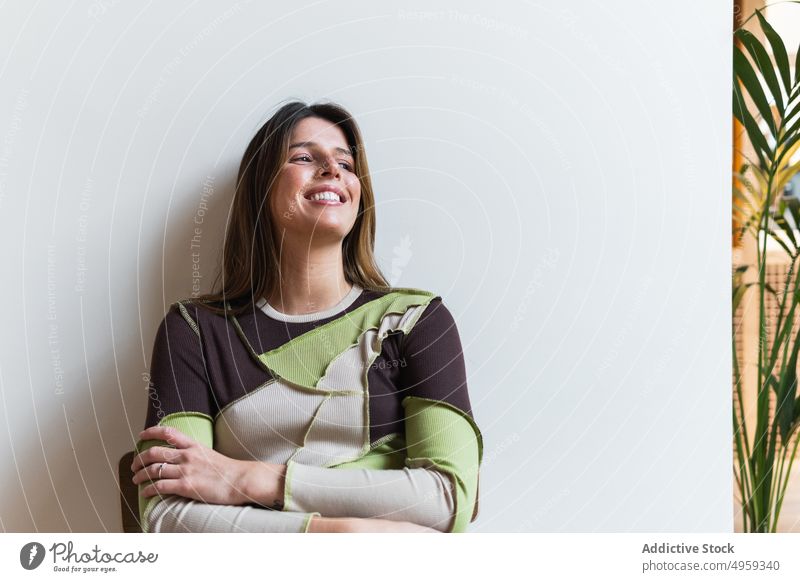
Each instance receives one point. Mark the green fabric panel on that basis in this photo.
(287, 485)
(389, 455)
(440, 435)
(304, 359)
(195, 425)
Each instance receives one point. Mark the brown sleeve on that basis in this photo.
(178, 379)
(432, 361)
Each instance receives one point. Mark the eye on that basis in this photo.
(300, 158)
(347, 166)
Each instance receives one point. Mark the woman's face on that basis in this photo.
(317, 192)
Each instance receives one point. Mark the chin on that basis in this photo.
(328, 231)
(329, 223)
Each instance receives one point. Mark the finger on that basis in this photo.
(154, 472)
(155, 455)
(162, 487)
(144, 459)
(140, 476)
(179, 486)
(143, 475)
(169, 434)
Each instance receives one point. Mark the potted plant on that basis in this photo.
(766, 102)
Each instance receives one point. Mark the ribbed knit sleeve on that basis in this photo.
(178, 380)
(434, 357)
(441, 433)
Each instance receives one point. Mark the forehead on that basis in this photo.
(318, 130)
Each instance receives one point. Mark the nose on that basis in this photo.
(328, 166)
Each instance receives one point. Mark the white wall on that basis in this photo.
(557, 171)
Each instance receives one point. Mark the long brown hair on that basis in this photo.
(250, 268)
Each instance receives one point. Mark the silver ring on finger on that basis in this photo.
(160, 469)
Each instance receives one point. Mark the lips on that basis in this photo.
(326, 188)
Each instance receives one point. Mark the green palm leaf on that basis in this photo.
(778, 49)
(752, 84)
(763, 63)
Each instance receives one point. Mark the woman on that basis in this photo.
(306, 395)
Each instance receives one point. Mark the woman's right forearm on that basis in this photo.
(320, 524)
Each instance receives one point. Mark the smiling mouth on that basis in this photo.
(327, 197)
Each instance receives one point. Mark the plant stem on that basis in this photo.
(786, 480)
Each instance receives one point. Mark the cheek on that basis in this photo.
(284, 193)
(355, 190)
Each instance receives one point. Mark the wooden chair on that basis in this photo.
(128, 495)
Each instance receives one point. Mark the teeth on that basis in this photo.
(325, 196)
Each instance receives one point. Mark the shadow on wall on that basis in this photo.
(62, 473)
(188, 265)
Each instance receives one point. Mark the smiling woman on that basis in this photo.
(305, 394)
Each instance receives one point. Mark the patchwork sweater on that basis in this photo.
(366, 403)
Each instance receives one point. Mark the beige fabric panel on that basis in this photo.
(339, 432)
(419, 495)
(175, 514)
(267, 425)
(347, 371)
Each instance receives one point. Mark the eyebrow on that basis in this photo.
(301, 144)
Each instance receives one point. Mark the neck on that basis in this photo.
(311, 278)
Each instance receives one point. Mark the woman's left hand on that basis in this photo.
(195, 471)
